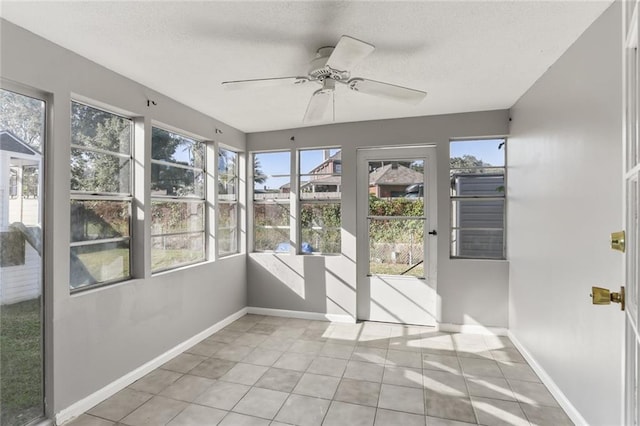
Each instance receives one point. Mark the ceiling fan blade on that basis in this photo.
(263, 82)
(348, 52)
(320, 102)
(386, 90)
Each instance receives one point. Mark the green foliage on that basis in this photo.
(388, 231)
(320, 226)
(93, 171)
(176, 181)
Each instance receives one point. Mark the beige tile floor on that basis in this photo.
(281, 371)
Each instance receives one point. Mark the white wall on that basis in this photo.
(564, 199)
(470, 292)
(100, 335)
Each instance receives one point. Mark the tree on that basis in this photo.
(467, 163)
(23, 116)
(258, 174)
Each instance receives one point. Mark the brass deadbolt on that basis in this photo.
(602, 296)
(617, 241)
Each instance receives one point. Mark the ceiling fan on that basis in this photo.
(330, 66)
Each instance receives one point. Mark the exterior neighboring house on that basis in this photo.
(20, 267)
(392, 180)
(324, 178)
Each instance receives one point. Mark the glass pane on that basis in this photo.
(396, 247)
(168, 217)
(271, 226)
(271, 239)
(227, 215)
(171, 251)
(97, 172)
(95, 128)
(22, 124)
(477, 244)
(477, 153)
(97, 263)
(227, 241)
(176, 181)
(488, 182)
(95, 220)
(227, 175)
(271, 175)
(320, 187)
(407, 206)
(175, 148)
(320, 161)
(477, 213)
(320, 228)
(227, 187)
(227, 162)
(395, 179)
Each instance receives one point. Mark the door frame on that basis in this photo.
(630, 206)
(430, 194)
(46, 208)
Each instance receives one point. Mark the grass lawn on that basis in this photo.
(20, 363)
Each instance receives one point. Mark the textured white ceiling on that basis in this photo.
(468, 55)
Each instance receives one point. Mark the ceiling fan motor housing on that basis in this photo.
(319, 70)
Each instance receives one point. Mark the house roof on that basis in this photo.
(390, 175)
(12, 143)
(323, 180)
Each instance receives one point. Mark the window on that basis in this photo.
(227, 235)
(177, 200)
(477, 173)
(320, 188)
(271, 204)
(101, 196)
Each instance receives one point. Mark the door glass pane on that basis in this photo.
(396, 247)
(396, 188)
(22, 121)
(396, 243)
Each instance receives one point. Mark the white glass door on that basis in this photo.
(22, 137)
(396, 235)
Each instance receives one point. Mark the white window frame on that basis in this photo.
(76, 195)
(221, 199)
(459, 198)
(181, 199)
(290, 200)
(311, 201)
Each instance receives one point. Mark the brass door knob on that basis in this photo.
(603, 296)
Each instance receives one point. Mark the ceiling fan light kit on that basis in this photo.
(330, 66)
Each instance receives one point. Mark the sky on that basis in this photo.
(279, 163)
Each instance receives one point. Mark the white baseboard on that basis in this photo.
(562, 399)
(472, 329)
(318, 316)
(79, 407)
